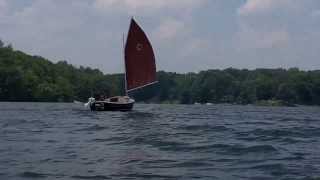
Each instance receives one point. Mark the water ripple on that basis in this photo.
(64, 141)
(97, 177)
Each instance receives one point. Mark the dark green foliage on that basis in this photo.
(33, 78)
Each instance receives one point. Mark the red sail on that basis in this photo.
(139, 59)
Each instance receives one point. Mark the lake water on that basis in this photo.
(65, 141)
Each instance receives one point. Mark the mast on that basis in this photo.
(124, 64)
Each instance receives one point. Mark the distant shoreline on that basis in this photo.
(26, 78)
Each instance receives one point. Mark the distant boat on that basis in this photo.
(140, 71)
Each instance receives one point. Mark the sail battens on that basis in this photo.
(142, 86)
(139, 59)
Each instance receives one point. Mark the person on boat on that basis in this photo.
(98, 97)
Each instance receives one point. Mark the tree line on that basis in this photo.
(33, 78)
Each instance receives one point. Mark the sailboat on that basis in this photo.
(140, 71)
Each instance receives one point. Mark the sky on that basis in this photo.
(187, 35)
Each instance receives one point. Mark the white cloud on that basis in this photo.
(264, 6)
(168, 29)
(257, 38)
(194, 47)
(315, 13)
(187, 35)
(273, 33)
(2, 3)
(265, 23)
(138, 6)
(59, 30)
(3, 7)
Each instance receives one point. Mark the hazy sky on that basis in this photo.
(187, 35)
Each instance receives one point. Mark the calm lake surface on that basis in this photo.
(65, 141)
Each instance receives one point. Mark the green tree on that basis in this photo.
(286, 92)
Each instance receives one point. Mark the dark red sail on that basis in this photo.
(139, 59)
